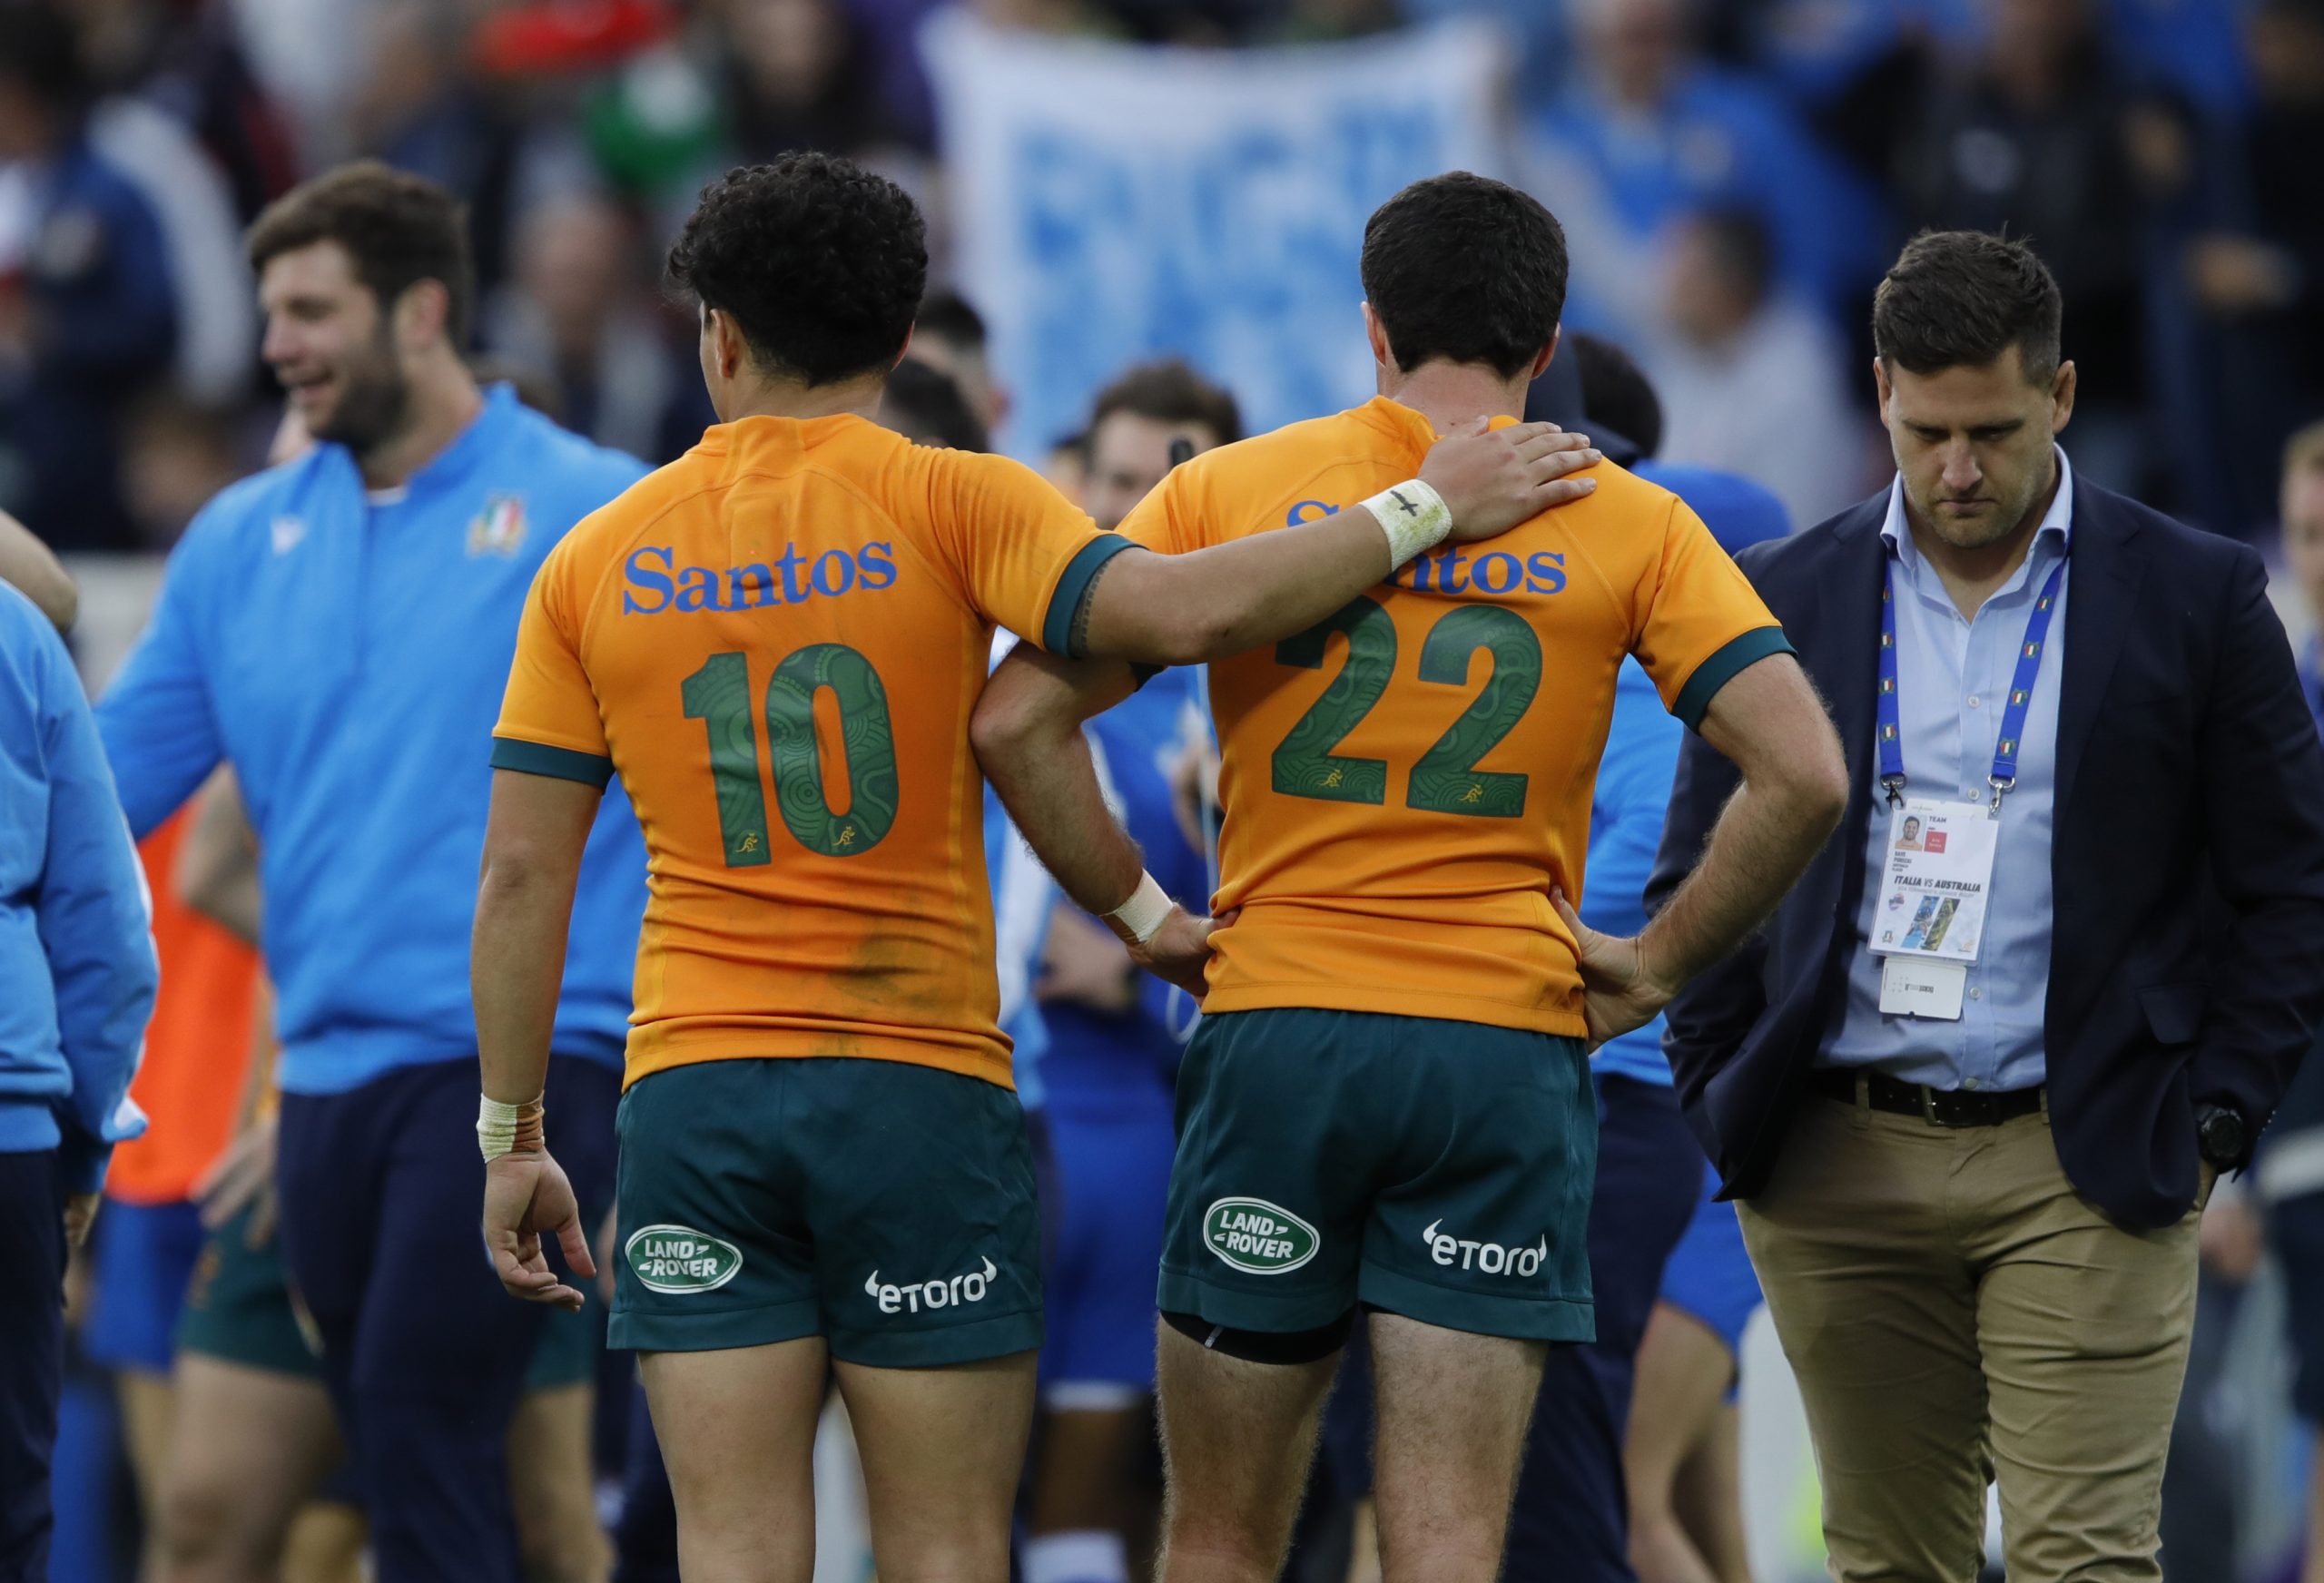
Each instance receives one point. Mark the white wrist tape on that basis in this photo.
(1139, 918)
(496, 1125)
(1413, 517)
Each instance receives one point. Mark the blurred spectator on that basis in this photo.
(1649, 132)
(2036, 137)
(949, 336)
(176, 455)
(2257, 278)
(1752, 382)
(217, 312)
(182, 58)
(577, 313)
(87, 307)
(1331, 21)
(798, 77)
(2290, 1167)
(929, 408)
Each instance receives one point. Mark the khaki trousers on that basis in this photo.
(1956, 1314)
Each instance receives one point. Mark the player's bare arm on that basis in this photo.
(217, 865)
(1026, 732)
(1770, 723)
(533, 843)
(1181, 610)
(33, 570)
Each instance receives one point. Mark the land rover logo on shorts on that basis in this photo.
(1252, 1235)
(678, 1258)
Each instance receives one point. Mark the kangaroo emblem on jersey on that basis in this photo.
(499, 528)
(1475, 793)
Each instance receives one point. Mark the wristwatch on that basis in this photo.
(2221, 1136)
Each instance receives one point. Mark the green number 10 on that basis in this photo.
(718, 695)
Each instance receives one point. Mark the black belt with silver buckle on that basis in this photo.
(1937, 1106)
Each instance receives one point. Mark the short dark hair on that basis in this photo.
(1616, 394)
(927, 406)
(399, 229)
(40, 51)
(950, 317)
(1169, 391)
(1465, 269)
(1960, 299)
(819, 261)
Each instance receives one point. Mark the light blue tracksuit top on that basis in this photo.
(346, 653)
(77, 969)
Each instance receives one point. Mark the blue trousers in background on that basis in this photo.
(423, 1352)
(1570, 1523)
(32, 1357)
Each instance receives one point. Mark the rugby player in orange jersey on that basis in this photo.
(776, 642)
(1388, 1104)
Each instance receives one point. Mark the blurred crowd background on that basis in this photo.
(1734, 176)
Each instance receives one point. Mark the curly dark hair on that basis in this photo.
(1959, 298)
(821, 262)
(399, 229)
(1467, 270)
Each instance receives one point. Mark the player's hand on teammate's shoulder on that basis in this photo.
(1619, 990)
(1180, 950)
(527, 1194)
(1494, 479)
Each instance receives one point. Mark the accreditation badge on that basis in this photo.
(1931, 918)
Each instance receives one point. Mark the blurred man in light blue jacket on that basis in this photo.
(77, 977)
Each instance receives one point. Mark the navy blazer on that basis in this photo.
(2187, 950)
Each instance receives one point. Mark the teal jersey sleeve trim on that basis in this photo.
(1073, 588)
(563, 764)
(1724, 666)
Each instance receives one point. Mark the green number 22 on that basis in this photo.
(1446, 779)
(718, 695)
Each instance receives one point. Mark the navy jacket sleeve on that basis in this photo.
(97, 929)
(161, 732)
(2262, 804)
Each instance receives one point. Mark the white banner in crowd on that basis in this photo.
(1114, 202)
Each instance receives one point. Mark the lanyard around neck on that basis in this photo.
(2013, 714)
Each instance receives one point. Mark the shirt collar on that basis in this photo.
(2057, 522)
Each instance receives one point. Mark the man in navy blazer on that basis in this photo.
(1971, 1187)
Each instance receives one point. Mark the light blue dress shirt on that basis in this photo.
(1953, 677)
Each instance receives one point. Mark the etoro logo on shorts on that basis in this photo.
(1263, 1238)
(938, 1294)
(678, 1258)
(1490, 1257)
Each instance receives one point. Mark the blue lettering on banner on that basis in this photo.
(1239, 256)
(652, 582)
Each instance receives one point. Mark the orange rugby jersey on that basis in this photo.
(1404, 783)
(197, 1044)
(776, 642)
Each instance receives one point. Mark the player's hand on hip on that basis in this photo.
(1494, 479)
(527, 1196)
(1180, 950)
(1619, 992)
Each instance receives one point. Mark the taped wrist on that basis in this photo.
(1140, 918)
(510, 1129)
(1415, 517)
